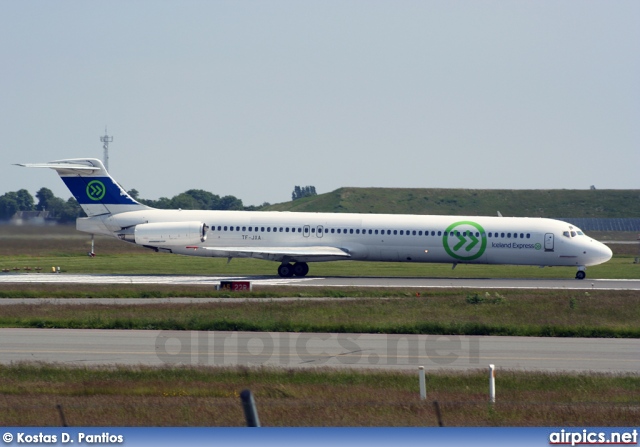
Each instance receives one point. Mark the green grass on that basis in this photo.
(515, 313)
(200, 396)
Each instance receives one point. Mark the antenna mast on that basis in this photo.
(106, 139)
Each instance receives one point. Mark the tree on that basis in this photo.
(44, 196)
(230, 203)
(24, 200)
(15, 201)
(70, 211)
(205, 199)
(8, 207)
(185, 202)
(305, 191)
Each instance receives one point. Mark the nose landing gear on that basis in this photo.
(581, 273)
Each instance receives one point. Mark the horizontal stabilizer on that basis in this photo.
(61, 166)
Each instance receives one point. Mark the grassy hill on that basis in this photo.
(531, 203)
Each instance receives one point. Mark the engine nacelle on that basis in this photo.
(165, 233)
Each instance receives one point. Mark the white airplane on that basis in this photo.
(295, 239)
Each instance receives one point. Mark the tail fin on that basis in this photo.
(95, 190)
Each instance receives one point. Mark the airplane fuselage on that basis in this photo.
(373, 237)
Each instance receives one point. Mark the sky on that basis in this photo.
(250, 98)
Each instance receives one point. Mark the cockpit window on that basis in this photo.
(573, 234)
(580, 233)
(565, 234)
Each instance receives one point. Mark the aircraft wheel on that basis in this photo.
(581, 274)
(285, 270)
(300, 269)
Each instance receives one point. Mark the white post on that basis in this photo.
(492, 383)
(423, 386)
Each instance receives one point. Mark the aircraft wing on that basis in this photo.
(282, 254)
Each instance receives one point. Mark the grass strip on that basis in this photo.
(454, 312)
(206, 396)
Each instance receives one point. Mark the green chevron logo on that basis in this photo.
(96, 190)
(465, 240)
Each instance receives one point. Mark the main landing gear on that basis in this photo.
(287, 270)
(581, 273)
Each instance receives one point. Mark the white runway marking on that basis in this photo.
(357, 282)
(53, 278)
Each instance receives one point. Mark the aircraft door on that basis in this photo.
(319, 231)
(548, 242)
(306, 230)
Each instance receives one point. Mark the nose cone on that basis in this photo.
(606, 253)
(598, 253)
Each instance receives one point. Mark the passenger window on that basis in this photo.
(244, 228)
(351, 231)
(508, 235)
(401, 232)
(338, 230)
(528, 236)
(376, 232)
(313, 230)
(269, 229)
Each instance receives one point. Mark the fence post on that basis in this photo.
(492, 383)
(62, 419)
(249, 407)
(423, 386)
(438, 413)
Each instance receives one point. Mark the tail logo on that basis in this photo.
(96, 190)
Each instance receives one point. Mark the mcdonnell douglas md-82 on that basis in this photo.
(295, 239)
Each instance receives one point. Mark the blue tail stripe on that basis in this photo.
(97, 190)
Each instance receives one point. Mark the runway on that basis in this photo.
(312, 350)
(304, 350)
(394, 282)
